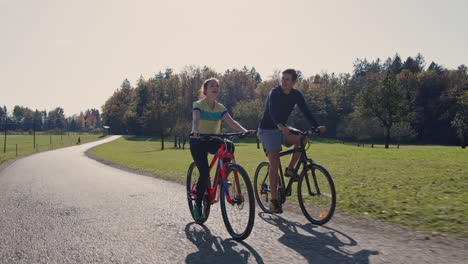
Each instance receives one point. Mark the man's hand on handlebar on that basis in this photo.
(322, 129)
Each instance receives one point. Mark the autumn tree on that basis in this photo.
(114, 109)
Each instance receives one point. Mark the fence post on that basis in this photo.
(16, 150)
(4, 142)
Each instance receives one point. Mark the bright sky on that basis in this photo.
(74, 54)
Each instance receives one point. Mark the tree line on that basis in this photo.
(23, 119)
(380, 101)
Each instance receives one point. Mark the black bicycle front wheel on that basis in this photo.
(239, 213)
(193, 175)
(316, 194)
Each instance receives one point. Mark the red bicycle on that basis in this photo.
(231, 186)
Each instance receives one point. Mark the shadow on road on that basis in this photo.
(215, 250)
(324, 246)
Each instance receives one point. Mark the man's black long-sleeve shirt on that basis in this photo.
(280, 105)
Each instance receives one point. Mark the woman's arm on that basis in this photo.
(233, 123)
(195, 122)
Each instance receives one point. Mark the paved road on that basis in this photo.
(62, 207)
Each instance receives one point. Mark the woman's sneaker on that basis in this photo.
(197, 213)
(275, 207)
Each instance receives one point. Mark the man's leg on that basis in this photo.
(271, 140)
(273, 158)
(296, 141)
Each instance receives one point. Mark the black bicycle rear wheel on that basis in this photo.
(316, 194)
(192, 178)
(262, 186)
(239, 214)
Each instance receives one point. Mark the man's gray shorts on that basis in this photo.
(272, 139)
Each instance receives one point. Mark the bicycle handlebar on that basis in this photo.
(226, 135)
(315, 131)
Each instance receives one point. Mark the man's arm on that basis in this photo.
(306, 110)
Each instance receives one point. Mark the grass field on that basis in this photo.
(421, 187)
(25, 143)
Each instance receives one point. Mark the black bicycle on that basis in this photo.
(315, 190)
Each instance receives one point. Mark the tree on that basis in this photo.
(93, 118)
(427, 121)
(115, 108)
(403, 132)
(237, 86)
(91, 122)
(18, 115)
(408, 81)
(421, 62)
(411, 65)
(3, 113)
(396, 65)
(255, 75)
(38, 121)
(81, 122)
(359, 129)
(460, 123)
(249, 113)
(56, 119)
(384, 101)
(457, 99)
(436, 67)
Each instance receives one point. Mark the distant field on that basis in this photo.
(26, 146)
(424, 187)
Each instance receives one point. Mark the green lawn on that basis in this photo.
(25, 143)
(421, 187)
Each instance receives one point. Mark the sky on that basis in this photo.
(75, 54)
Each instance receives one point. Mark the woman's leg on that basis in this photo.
(200, 156)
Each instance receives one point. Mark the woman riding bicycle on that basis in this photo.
(207, 114)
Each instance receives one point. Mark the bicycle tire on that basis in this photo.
(316, 194)
(245, 228)
(262, 186)
(192, 178)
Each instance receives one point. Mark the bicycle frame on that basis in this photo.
(220, 176)
(302, 161)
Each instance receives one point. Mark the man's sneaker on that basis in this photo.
(290, 173)
(275, 207)
(197, 213)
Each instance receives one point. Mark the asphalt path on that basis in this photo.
(62, 207)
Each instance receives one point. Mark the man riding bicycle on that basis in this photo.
(273, 131)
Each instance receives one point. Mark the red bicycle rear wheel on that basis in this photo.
(192, 178)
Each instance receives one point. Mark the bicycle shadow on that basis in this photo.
(213, 249)
(317, 246)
